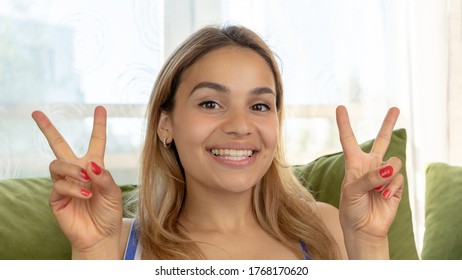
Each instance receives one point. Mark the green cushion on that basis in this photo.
(443, 213)
(324, 177)
(28, 229)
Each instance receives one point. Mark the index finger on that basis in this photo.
(97, 144)
(382, 141)
(347, 137)
(56, 141)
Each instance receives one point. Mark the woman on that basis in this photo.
(214, 182)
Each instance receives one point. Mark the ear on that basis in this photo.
(164, 127)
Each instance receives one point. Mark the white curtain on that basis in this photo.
(455, 81)
(428, 82)
(436, 91)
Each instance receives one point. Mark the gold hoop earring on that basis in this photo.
(166, 145)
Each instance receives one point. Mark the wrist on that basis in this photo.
(105, 250)
(362, 246)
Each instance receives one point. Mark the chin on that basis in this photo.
(239, 186)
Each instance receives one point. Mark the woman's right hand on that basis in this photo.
(85, 199)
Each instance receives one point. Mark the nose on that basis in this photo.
(238, 122)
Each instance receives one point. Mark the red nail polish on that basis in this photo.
(95, 168)
(85, 192)
(386, 171)
(386, 193)
(379, 188)
(84, 174)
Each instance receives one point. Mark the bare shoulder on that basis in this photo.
(327, 211)
(330, 216)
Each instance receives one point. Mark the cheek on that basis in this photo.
(189, 136)
(189, 129)
(270, 134)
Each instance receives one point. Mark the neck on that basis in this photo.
(218, 211)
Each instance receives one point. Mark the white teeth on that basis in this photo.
(232, 154)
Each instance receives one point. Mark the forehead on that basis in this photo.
(230, 60)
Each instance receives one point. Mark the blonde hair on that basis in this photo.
(283, 207)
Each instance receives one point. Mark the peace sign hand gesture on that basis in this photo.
(371, 190)
(85, 199)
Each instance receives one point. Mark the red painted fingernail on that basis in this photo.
(84, 174)
(386, 193)
(378, 188)
(85, 192)
(95, 168)
(386, 171)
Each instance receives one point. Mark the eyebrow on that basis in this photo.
(211, 85)
(262, 90)
(223, 89)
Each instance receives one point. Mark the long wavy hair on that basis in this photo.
(282, 206)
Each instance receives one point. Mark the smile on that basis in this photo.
(231, 154)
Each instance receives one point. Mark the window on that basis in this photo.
(66, 58)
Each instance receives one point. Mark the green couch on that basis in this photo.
(28, 229)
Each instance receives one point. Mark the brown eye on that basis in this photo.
(209, 105)
(260, 107)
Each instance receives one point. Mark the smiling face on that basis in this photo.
(224, 122)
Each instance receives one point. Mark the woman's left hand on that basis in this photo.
(371, 189)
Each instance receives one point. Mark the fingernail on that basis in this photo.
(95, 168)
(386, 193)
(386, 171)
(84, 174)
(85, 192)
(378, 188)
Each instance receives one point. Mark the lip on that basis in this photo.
(234, 146)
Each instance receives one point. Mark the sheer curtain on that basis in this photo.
(65, 58)
(455, 81)
(436, 63)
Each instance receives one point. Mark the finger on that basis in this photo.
(383, 138)
(347, 137)
(64, 190)
(60, 170)
(378, 178)
(97, 144)
(56, 141)
(102, 180)
(394, 188)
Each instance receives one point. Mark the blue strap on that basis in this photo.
(132, 243)
(305, 251)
